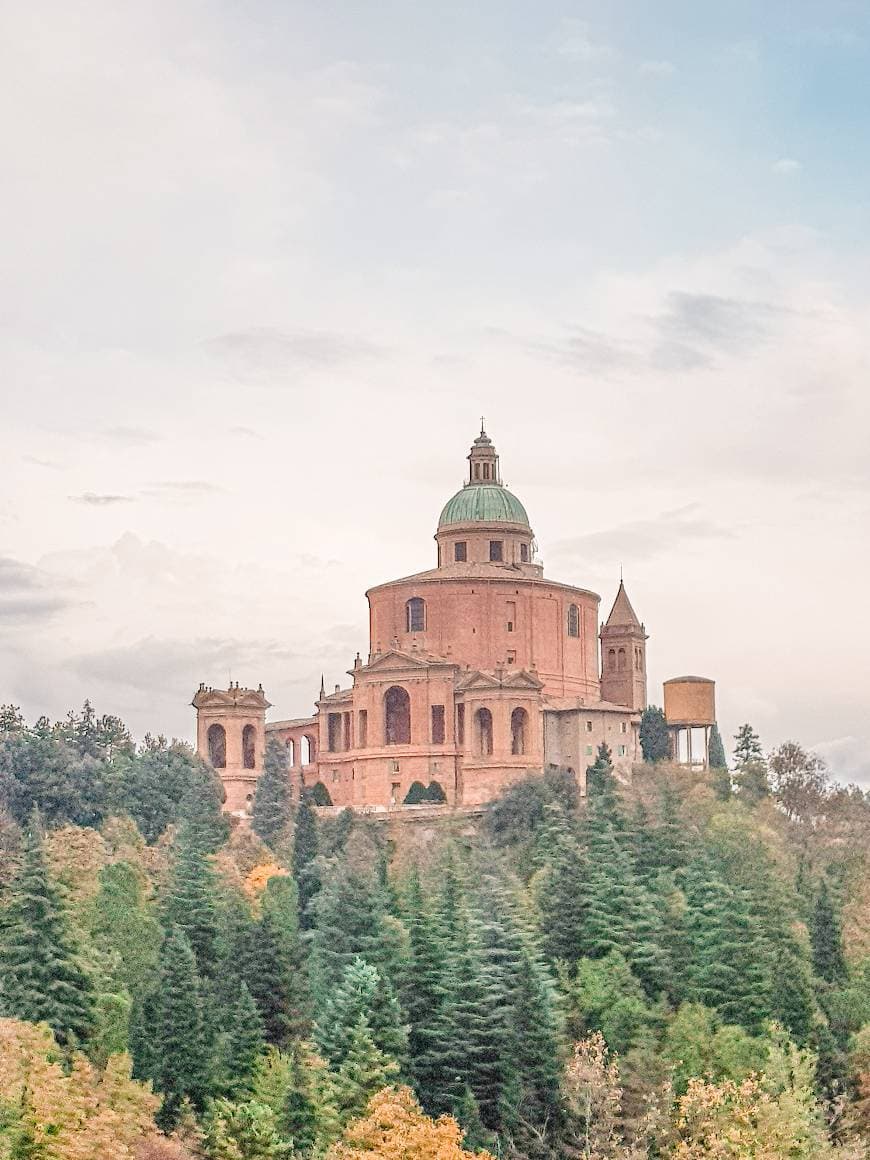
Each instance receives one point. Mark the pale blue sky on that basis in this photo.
(265, 264)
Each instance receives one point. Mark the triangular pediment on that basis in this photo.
(397, 661)
(521, 679)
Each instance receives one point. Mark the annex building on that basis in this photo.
(478, 671)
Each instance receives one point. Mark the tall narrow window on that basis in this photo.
(611, 659)
(362, 733)
(486, 471)
(477, 471)
(524, 553)
(437, 724)
(483, 726)
(460, 551)
(333, 732)
(496, 550)
(460, 724)
(249, 747)
(217, 746)
(573, 620)
(415, 611)
(397, 716)
(347, 743)
(621, 664)
(519, 720)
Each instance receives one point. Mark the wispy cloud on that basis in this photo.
(130, 436)
(641, 540)
(787, 165)
(100, 499)
(266, 353)
(576, 41)
(28, 595)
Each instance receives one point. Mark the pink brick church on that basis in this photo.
(479, 671)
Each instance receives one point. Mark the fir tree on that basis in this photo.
(826, 940)
(348, 911)
(423, 986)
(655, 741)
(273, 800)
(361, 993)
(41, 975)
(191, 903)
(200, 810)
(564, 900)
(272, 964)
(182, 1054)
(747, 747)
(305, 849)
(364, 1070)
(244, 1046)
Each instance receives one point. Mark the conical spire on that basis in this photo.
(622, 614)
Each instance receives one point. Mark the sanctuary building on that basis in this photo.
(479, 671)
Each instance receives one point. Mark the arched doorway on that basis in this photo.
(217, 746)
(397, 716)
(519, 723)
(483, 729)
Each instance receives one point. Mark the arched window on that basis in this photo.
(519, 719)
(291, 750)
(621, 664)
(306, 748)
(483, 728)
(217, 746)
(415, 614)
(397, 716)
(249, 747)
(573, 620)
(611, 659)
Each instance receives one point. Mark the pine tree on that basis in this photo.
(200, 810)
(826, 940)
(655, 741)
(564, 900)
(423, 986)
(41, 976)
(349, 912)
(600, 779)
(364, 1071)
(182, 1052)
(272, 963)
(747, 746)
(273, 800)
(305, 849)
(244, 1047)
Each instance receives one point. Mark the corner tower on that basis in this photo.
(623, 655)
(231, 736)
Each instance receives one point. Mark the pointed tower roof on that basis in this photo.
(622, 614)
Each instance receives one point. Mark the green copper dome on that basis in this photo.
(483, 503)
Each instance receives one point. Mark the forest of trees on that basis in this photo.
(679, 968)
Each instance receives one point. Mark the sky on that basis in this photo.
(264, 264)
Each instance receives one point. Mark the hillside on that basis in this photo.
(676, 968)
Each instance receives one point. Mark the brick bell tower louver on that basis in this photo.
(623, 655)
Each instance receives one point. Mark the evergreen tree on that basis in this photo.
(305, 849)
(747, 747)
(191, 903)
(364, 1071)
(272, 964)
(41, 975)
(349, 910)
(655, 741)
(200, 809)
(182, 1051)
(600, 779)
(826, 939)
(244, 1046)
(124, 928)
(717, 756)
(273, 800)
(423, 986)
(361, 993)
(534, 1050)
(564, 900)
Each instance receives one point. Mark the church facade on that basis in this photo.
(479, 671)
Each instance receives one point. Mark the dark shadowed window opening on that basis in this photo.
(333, 732)
(416, 614)
(573, 620)
(249, 747)
(363, 729)
(460, 551)
(437, 724)
(519, 720)
(217, 746)
(524, 553)
(347, 742)
(621, 664)
(496, 550)
(483, 723)
(397, 716)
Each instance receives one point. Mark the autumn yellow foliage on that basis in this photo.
(258, 879)
(73, 1112)
(395, 1128)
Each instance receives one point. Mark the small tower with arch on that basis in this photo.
(623, 655)
(231, 736)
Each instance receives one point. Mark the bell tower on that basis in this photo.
(623, 655)
(231, 736)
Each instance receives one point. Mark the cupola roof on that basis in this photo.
(483, 497)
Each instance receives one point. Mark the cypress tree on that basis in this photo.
(717, 757)
(244, 1046)
(41, 976)
(826, 939)
(305, 850)
(655, 741)
(183, 1064)
(273, 800)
